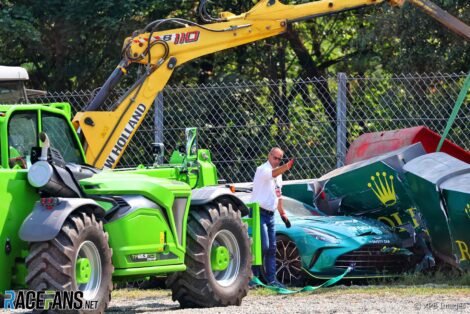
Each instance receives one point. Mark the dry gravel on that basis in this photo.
(421, 299)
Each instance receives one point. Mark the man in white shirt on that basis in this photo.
(267, 192)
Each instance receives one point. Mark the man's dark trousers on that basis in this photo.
(268, 244)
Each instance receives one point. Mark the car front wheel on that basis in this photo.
(288, 264)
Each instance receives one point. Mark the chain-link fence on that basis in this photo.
(313, 120)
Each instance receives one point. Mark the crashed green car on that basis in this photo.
(318, 246)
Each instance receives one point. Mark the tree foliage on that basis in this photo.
(74, 43)
(71, 44)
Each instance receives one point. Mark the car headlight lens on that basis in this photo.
(322, 236)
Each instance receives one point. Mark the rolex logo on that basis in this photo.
(467, 210)
(383, 188)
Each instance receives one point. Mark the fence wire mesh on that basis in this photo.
(240, 122)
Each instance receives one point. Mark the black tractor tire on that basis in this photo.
(51, 265)
(199, 286)
(288, 263)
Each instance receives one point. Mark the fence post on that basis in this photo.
(341, 104)
(158, 122)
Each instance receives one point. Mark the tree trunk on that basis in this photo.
(310, 70)
(281, 105)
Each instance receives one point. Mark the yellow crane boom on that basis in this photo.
(443, 17)
(106, 134)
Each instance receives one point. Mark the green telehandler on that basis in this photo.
(89, 226)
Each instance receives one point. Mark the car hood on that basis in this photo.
(345, 226)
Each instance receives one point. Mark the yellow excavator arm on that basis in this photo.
(442, 17)
(106, 134)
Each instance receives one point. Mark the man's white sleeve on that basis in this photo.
(266, 173)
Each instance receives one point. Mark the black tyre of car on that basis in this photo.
(52, 264)
(288, 264)
(209, 226)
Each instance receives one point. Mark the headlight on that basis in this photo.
(322, 236)
(40, 174)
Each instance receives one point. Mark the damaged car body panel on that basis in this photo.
(405, 188)
(330, 244)
(318, 246)
(440, 187)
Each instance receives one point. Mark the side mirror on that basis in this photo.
(46, 152)
(191, 143)
(41, 153)
(158, 153)
(45, 145)
(186, 154)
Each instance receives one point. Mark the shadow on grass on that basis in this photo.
(147, 304)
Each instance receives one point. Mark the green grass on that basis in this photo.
(377, 291)
(451, 283)
(437, 278)
(443, 283)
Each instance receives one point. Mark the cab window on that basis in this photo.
(22, 136)
(61, 137)
(11, 92)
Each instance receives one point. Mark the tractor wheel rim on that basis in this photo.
(227, 276)
(89, 251)
(82, 270)
(288, 262)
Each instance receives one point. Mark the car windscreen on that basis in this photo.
(299, 209)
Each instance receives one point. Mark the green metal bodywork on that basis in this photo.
(430, 207)
(430, 192)
(17, 197)
(255, 232)
(376, 193)
(440, 186)
(197, 175)
(458, 204)
(145, 240)
(298, 190)
(358, 199)
(14, 208)
(145, 230)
